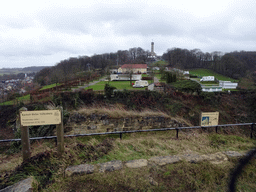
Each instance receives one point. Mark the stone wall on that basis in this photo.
(95, 123)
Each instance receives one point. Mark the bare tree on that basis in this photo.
(133, 53)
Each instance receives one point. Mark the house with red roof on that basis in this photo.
(135, 68)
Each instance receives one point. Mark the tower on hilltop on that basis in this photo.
(152, 53)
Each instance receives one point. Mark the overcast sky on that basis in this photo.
(42, 33)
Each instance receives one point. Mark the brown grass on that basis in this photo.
(135, 146)
(118, 111)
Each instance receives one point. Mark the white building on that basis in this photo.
(156, 68)
(207, 78)
(228, 85)
(125, 77)
(211, 89)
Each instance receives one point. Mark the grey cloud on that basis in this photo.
(79, 20)
(53, 33)
(156, 22)
(147, 28)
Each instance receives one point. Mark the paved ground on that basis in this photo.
(156, 80)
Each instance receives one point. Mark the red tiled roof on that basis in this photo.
(136, 66)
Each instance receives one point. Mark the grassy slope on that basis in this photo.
(200, 177)
(208, 72)
(49, 86)
(178, 177)
(23, 98)
(146, 145)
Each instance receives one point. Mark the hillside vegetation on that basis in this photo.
(48, 168)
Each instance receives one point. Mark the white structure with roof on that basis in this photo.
(125, 77)
(211, 89)
(228, 85)
(207, 78)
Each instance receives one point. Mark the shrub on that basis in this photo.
(188, 86)
(207, 96)
(109, 90)
(169, 77)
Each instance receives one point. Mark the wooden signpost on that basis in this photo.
(40, 117)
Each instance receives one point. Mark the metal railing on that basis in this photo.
(136, 131)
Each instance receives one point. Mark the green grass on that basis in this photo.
(23, 98)
(49, 86)
(160, 63)
(8, 103)
(117, 84)
(208, 72)
(158, 75)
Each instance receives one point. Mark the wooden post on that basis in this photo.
(251, 131)
(24, 139)
(60, 134)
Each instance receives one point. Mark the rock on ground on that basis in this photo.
(22, 186)
(137, 163)
(165, 160)
(110, 166)
(79, 169)
(233, 154)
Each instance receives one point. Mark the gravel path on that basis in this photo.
(156, 80)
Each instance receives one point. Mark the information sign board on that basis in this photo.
(209, 118)
(40, 117)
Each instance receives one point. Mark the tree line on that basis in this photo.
(233, 64)
(73, 67)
